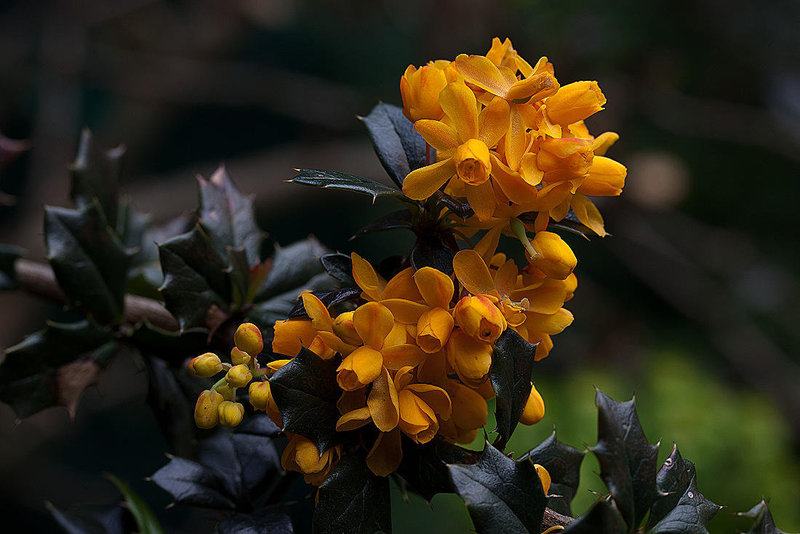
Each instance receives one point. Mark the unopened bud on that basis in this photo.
(226, 391)
(575, 102)
(259, 395)
(238, 376)
(344, 328)
(206, 409)
(239, 357)
(480, 318)
(544, 477)
(553, 256)
(205, 365)
(248, 338)
(230, 413)
(534, 408)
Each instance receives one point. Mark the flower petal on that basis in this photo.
(423, 182)
(472, 272)
(353, 419)
(516, 139)
(402, 286)
(588, 214)
(435, 397)
(435, 287)
(512, 184)
(506, 278)
(405, 355)
(438, 134)
(366, 277)
(493, 122)
(459, 104)
(480, 71)
(373, 321)
(383, 403)
(482, 200)
(386, 454)
(317, 312)
(405, 311)
(554, 323)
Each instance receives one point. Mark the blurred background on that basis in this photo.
(691, 303)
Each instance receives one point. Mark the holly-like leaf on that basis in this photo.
(8, 256)
(306, 391)
(512, 362)
(232, 470)
(194, 278)
(395, 220)
(501, 495)
(339, 266)
(227, 215)
(146, 520)
(399, 147)
(353, 500)
(425, 467)
(292, 267)
(602, 518)
(563, 463)
(689, 516)
(284, 305)
(672, 481)
(89, 261)
(329, 298)
(431, 252)
(627, 460)
(764, 524)
(52, 367)
(269, 519)
(171, 406)
(95, 175)
(346, 182)
(92, 519)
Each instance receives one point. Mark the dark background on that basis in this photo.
(691, 304)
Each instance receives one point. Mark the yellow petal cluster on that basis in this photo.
(510, 139)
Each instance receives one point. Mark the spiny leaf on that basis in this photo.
(171, 406)
(353, 500)
(95, 175)
(53, 366)
(431, 252)
(395, 220)
(627, 460)
(89, 261)
(270, 519)
(228, 216)
(563, 463)
(328, 298)
(292, 267)
(306, 392)
(194, 278)
(91, 519)
(339, 266)
(764, 524)
(346, 182)
(145, 519)
(425, 467)
(399, 147)
(672, 481)
(690, 515)
(602, 518)
(284, 305)
(502, 496)
(189, 482)
(512, 362)
(8, 256)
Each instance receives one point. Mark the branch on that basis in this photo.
(554, 519)
(38, 279)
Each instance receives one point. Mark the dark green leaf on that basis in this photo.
(353, 500)
(563, 463)
(764, 524)
(292, 267)
(146, 521)
(339, 266)
(90, 263)
(145, 275)
(8, 257)
(306, 391)
(425, 467)
(502, 496)
(276, 308)
(512, 362)
(91, 519)
(602, 518)
(52, 367)
(672, 481)
(431, 252)
(328, 298)
(391, 221)
(399, 147)
(239, 273)
(346, 182)
(267, 520)
(171, 406)
(228, 217)
(95, 175)
(690, 515)
(194, 278)
(191, 483)
(627, 460)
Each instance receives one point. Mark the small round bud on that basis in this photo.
(479, 317)
(239, 357)
(226, 391)
(259, 395)
(238, 376)
(248, 339)
(554, 257)
(230, 413)
(206, 410)
(534, 408)
(205, 365)
(344, 328)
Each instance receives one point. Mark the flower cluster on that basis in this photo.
(510, 140)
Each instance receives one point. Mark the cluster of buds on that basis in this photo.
(511, 140)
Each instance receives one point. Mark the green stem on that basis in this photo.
(519, 230)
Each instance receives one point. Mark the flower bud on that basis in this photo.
(226, 391)
(544, 477)
(239, 357)
(205, 365)
(472, 162)
(259, 395)
(606, 178)
(433, 329)
(248, 339)
(238, 376)
(554, 257)
(344, 328)
(575, 102)
(480, 318)
(534, 408)
(205, 410)
(569, 156)
(419, 89)
(230, 413)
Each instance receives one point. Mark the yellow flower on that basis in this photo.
(480, 318)
(534, 408)
(420, 88)
(205, 365)
(230, 413)
(205, 410)
(575, 102)
(469, 358)
(469, 413)
(303, 456)
(420, 404)
(605, 178)
(553, 256)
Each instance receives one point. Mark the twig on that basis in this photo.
(554, 519)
